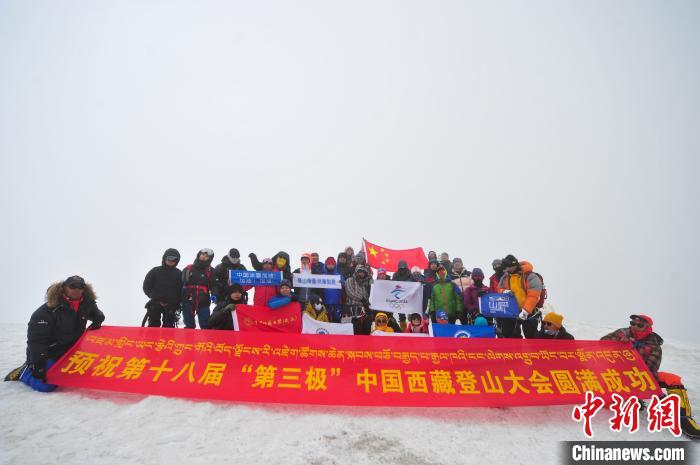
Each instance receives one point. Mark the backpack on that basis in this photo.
(543, 294)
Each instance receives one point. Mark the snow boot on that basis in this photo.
(15, 374)
(688, 425)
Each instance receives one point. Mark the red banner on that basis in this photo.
(381, 257)
(351, 370)
(260, 318)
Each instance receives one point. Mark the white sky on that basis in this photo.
(565, 133)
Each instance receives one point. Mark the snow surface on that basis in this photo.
(98, 427)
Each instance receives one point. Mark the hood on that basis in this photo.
(206, 264)
(171, 252)
(55, 291)
(284, 255)
(526, 267)
(335, 270)
(361, 268)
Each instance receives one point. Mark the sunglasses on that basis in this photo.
(382, 321)
(638, 324)
(76, 286)
(547, 323)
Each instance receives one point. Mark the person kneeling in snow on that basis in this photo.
(417, 324)
(284, 297)
(552, 328)
(222, 317)
(645, 341)
(55, 327)
(316, 310)
(381, 323)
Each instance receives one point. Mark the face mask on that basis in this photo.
(318, 307)
(281, 262)
(551, 332)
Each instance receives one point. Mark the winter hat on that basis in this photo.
(497, 263)
(646, 318)
(477, 273)
(285, 282)
(433, 261)
(510, 260)
(480, 321)
(267, 260)
(381, 271)
(457, 260)
(206, 251)
(74, 280)
(306, 256)
(554, 319)
(343, 255)
(441, 315)
(233, 253)
(330, 260)
(444, 256)
(415, 316)
(235, 288)
(403, 265)
(315, 299)
(379, 315)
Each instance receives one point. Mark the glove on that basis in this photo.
(213, 298)
(523, 315)
(507, 291)
(39, 371)
(481, 292)
(95, 325)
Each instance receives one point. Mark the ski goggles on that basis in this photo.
(638, 323)
(207, 251)
(382, 321)
(76, 286)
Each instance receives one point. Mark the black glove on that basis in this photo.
(481, 292)
(94, 325)
(39, 371)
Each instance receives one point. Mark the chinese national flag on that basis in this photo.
(381, 257)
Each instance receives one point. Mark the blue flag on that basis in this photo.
(255, 278)
(499, 305)
(448, 330)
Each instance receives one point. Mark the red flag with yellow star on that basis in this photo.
(381, 257)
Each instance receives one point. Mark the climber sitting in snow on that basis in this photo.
(645, 341)
(55, 327)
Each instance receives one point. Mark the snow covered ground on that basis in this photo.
(74, 426)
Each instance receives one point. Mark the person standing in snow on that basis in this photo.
(263, 292)
(460, 276)
(163, 286)
(520, 280)
(304, 293)
(495, 278)
(344, 267)
(471, 297)
(333, 297)
(445, 297)
(197, 280)
(403, 273)
(54, 328)
(357, 290)
(231, 261)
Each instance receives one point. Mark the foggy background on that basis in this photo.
(565, 133)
